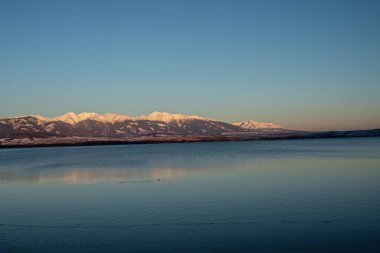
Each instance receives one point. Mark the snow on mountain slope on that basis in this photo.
(70, 117)
(250, 124)
(73, 118)
(39, 117)
(169, 117)
(117, 125)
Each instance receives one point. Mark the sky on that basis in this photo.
(312, 65)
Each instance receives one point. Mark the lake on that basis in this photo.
(320, 195)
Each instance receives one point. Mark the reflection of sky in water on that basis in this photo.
(212, 196)
(146, 162)
(86, 175)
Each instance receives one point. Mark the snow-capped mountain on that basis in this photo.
(170, 117)
(73, 118)
(93, 128)
(121, 126)
(252, 125)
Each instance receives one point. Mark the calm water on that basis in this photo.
(259, 196)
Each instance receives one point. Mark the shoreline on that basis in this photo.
(187, 139)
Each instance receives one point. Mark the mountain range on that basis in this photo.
(119, 125)
(85, 128)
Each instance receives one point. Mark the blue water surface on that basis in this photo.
(319, 195)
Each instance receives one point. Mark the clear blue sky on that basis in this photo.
(301, 64)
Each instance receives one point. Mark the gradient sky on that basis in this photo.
(310, 65)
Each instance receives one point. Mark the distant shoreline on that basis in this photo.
(187, 139)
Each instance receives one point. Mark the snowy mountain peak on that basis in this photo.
(161, 124)
(70, 117)
(73, 118)
(251, 124)
(170, 117)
